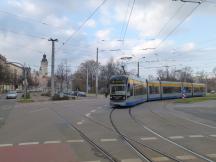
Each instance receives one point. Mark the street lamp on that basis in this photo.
(25, 75)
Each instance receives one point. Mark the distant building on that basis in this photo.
(43, 71)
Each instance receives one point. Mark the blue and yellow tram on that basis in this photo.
(128, 91)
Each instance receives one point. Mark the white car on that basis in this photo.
(11, 95)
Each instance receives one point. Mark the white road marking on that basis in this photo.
(28, 143)
(148, 138)
(74, 141)
(93, 110)
(108, 140)
(131, 160)
(196, 136)
(213, 135)
(176, 137)
(210, 126)
(49, 142)
(211, 155)
(186, 157)
(88, 114)
(5, 145)
(79, 123)
(160, 158)
(174, 143)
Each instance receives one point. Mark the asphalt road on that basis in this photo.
(89, 130)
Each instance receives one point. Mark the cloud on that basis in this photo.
(188, 47)
(103, 34)
(91, 23)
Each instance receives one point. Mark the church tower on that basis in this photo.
(44, 67)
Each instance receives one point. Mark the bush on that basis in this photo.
(48, 94)
(57, 97)
(28, 96)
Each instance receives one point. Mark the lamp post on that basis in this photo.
(25, 76)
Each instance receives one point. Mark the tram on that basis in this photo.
(129, 91)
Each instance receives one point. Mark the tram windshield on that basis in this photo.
(118, 90)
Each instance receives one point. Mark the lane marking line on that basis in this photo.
(211, 155)
(186, 157)
(93, 111)
(50, 142)
(176, 137)
(5, 145)
(213, 135)
(148, 138)
(108, 140)
(131, 160)
(28, 143)
(88, 114)
(74, 141)
(196, 136)
(174, 143)
(79, 123)
(210, 126)
(160, 158)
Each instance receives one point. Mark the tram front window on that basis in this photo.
(118, 90)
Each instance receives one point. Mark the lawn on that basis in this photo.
(197, 99)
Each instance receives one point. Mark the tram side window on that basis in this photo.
(139, 90)
(198, 89)
(167, 90)
(153, 90)
(188, 89)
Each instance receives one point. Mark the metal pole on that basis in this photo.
(87, 80)
(96, 86)
(53, 66)
(138, 69)
(25, 81)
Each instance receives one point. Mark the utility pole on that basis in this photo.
(96, 85)
(138, 69)
(53, 66)
(86, 79)
(25, 81)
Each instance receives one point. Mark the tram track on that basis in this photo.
(129, 141)
(142, 124)
(86, 138)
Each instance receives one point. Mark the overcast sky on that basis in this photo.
(26, 26)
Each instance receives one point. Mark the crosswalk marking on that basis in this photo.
(28, 143)
(186, 157)
(74, 141)
(108, 140)
(50, 142)
(196, 136)
(148, 138)
(160, 159)
(5, 145)
(176, 137)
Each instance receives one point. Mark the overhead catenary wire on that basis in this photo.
(131, 11)
(83, 24)
(123, 25)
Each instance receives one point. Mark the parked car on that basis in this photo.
(19, 91)
(82, 94)
(11, 95)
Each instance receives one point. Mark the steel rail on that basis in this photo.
(86, 138)
(139, 122)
